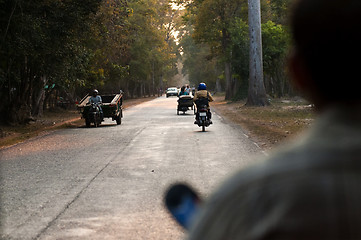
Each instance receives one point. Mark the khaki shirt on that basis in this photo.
(202, 93)
(310, 190)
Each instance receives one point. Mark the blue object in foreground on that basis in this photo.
(183, 203)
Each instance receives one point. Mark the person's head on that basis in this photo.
(327, 50)
(183, 88)
(95, 92)
(202, 86)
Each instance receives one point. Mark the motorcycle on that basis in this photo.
(203, 118)
(94, 115)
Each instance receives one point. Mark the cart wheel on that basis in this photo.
(118, 119)
(87, 122)
(203, 128)
(96, 120)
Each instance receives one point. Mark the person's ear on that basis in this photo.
(303, 81)
(299, 73)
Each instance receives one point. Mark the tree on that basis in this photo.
(275, 42)
(213, 20)
(240, 57)
(256, 91)
(153, 53)
(198, 65)
(38, 47)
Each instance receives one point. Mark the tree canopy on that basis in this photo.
(222, 28)
(75, 46)
(53, 49)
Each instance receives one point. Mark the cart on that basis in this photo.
(184, 103)
(111, 106)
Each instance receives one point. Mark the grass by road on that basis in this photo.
(268, 126)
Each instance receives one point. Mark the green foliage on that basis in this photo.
(226, 35)
(275, 40)
(240, 57)
(80, 45)
(279, 10)
(198, 64)
(41, 43)
(129, 45)
(275, 44)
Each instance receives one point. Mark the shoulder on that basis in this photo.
(250, 198)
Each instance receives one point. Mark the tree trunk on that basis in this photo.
(39, 94)
(227, 73)
(218, 85)
(227, 64)
(256, 91)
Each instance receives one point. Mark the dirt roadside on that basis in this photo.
(268, 126)
(52, 120)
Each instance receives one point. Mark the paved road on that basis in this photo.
(108, 182)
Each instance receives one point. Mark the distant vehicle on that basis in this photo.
(112, 108)
(202, 113)
(173, 91)
(184, 103)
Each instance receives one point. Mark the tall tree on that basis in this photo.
(213, 20)
(41, 43)
(256, 91)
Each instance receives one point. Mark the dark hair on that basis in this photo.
(327, 35)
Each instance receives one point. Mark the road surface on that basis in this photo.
(108, 182)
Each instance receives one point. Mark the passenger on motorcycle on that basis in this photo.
(183, 91)
(97, 99)
(202, 93)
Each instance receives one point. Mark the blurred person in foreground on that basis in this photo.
(310, 190)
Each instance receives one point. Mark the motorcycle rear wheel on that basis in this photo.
(87, 122)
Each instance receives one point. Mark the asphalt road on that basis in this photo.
(108, 182)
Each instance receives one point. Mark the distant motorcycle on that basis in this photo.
(94, 115)
(203, 115)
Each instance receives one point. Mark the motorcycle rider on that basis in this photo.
(203, 93)
(188, 89)
(97, 99)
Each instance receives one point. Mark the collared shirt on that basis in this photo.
(310, 190)
(204, 94)
(96, 99)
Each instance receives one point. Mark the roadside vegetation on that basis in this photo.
(268, 126)
(52, 53)
(50, 121)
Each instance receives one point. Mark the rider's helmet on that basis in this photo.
(95, 92)
(202, 86)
